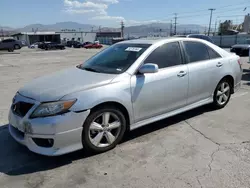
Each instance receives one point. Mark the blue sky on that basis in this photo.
(18, 13)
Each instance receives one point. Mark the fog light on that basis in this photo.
(44, 142)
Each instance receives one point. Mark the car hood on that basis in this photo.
(241, 46)
(55, 86)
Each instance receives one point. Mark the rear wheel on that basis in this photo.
(222, 94)
(103, 129)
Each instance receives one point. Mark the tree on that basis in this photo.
(225, 26)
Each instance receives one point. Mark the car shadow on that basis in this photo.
(16, 159)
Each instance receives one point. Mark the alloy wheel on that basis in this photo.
(223, 93)
(104, 129)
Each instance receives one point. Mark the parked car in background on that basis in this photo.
(78, 45)
(53, 45)
(85, 43)
(42, 44)
(35, 45)
(72, 43)
(198, 36)
(11, 45)
(126, 86)
(93, 45)
(240, 49)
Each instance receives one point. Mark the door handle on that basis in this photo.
(219, 64)
(181, 73)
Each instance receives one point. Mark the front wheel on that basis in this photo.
(222, 94)
(103, 129)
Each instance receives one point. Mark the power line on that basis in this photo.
(211, 9)
(217, 8)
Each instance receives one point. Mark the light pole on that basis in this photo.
(211, 14)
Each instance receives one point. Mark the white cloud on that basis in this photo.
(97, 10)
(83, 5)
(106, 17)
(106, 1)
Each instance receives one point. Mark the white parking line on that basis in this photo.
(237, 95)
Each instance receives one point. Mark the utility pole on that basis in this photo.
(215, 27)
(211, 14)
(175, 22)
(171, 25)
(122, 29)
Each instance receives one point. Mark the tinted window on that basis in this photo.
(8, 40)
(212, 54)
(166, 55)
(115, 59)
(196, 51)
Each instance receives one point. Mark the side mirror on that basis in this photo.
(148, 68)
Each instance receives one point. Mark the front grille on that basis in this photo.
(21, 108)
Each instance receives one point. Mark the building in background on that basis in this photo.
(246, 24)
(64, 36)
(77, 36)
(107, 37)
(32, 37)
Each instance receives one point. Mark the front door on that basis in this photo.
(158, 93)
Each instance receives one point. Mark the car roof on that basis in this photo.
(157, 40)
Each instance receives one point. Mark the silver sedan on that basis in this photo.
(126, 86)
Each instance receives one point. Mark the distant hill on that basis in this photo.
(58, 27)
(5, 28)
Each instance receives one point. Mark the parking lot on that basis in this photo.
(201, 148)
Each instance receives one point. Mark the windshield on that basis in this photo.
(115, 59)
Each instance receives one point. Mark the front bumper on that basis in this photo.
(65, 130)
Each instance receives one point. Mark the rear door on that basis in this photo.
(203, 71)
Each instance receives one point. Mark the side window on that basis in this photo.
(213, 54)
(6, 41)
(166, 55)
(196, 51)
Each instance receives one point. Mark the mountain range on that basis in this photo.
(139, 30)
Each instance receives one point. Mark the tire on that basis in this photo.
(16, 47)
(221, 98)
(90, 134)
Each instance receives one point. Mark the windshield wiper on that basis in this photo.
(90, 69)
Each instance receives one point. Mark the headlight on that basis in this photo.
(52, 108)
